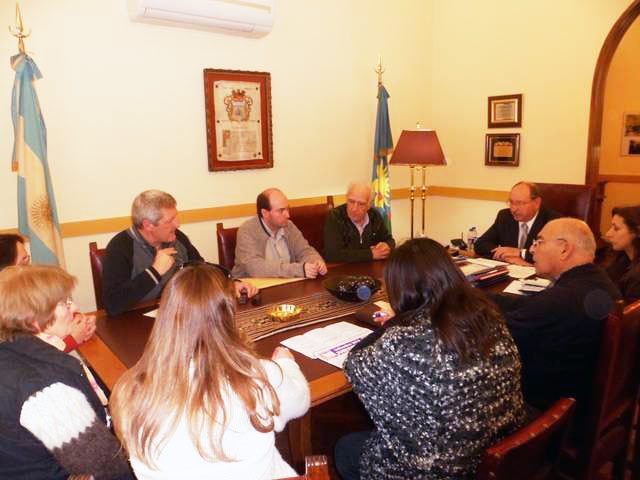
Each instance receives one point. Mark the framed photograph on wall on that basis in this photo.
(502, 149)
(238, 115)
(631, 135)
(505, 111)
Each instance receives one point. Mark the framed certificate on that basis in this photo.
(505, 111)
(502, 149)
(238, 115)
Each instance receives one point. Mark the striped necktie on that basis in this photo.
(522, 239)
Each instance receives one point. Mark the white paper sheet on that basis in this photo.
(520, 271)
(331, 344)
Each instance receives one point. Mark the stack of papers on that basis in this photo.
(523, 287)
(331, 344)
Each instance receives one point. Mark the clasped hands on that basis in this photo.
(313, 269)
(380, 251)
(510, 255)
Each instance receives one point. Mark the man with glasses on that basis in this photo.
(558, 330)
(141, 260)
(355, 232)
(514, 229)
(269, 245)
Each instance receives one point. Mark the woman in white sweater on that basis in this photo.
(199, 403)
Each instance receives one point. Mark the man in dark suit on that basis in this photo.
(558, 331)
(515, 228)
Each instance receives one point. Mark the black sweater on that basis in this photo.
(342, 242)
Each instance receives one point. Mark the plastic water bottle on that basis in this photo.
(472, 235)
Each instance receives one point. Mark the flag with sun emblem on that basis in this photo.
(383, 145)
(37, 215)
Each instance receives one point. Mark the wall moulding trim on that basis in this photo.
(108, 225)
(619, 178)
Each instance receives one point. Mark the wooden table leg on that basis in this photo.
(300, 440)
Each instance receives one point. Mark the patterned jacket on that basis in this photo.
(52, 424)
(433, 417)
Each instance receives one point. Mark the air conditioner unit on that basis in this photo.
(241, 17)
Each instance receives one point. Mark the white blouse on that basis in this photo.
(254, 452)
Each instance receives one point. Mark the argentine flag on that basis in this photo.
(37, 215)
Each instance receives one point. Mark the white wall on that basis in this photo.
(124, 101)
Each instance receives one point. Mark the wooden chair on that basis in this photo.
(95, 257)
(226, 245)
(634, 437)
(309, 219)
(608, 425)
(532, 451)
(317, 469)
(577, 201)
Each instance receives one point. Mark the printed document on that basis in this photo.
(331, 344)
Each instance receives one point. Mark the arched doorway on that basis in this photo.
(598, 92)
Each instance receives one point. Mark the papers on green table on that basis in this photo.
(331, 344)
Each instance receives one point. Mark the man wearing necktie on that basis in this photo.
(515, 228)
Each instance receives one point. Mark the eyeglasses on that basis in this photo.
(540, 241)
(357, 203)
(519, 203)
(68, 303)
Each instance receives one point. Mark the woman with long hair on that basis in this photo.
(53, 417)
(624, 237)
(199, 403)
(440, 380)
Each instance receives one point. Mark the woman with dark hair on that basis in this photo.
(624, 237)
(199, 403)
(440, 380)
(12, 251)
(53, 419)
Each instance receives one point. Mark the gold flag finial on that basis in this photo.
(18, 32)
(379, 70)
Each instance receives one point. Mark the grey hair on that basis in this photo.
(353, 185)
(149, 205)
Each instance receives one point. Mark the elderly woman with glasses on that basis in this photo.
(53, 419)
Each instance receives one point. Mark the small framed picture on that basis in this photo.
(502, 149)
(505, 111)
(631, 135)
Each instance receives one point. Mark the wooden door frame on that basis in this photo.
(598, 89)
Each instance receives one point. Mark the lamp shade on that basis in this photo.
(418, 147)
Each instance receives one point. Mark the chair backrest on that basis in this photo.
(310, 221)
(308, 218)
(95, 257)
(616, 385)
(532, 451)
(226, 245)
(577, 201)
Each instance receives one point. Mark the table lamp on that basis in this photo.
(418, 148)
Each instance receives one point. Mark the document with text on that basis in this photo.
(331, 344)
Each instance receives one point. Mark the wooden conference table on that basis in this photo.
(120, 341)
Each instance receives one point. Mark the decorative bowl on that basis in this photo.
(284, 312)
(352, 288)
